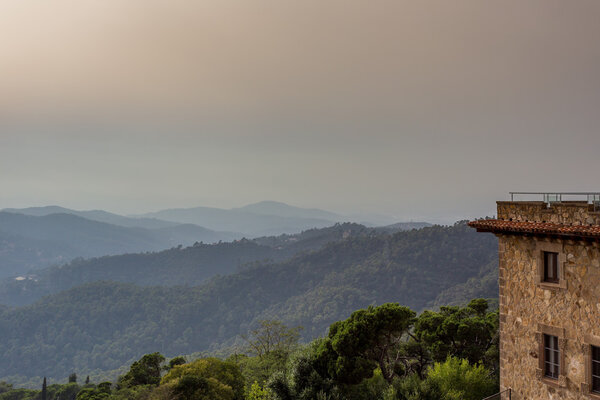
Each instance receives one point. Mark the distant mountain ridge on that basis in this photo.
(94, 215)
(31, 242)
(254, 220)
(265, 218)
(54, 235)
(280, 209)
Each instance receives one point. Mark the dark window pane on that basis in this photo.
(551, 357)
(550, 266)
(596, 369)
(596, 385)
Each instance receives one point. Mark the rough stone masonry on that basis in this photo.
(533, 308)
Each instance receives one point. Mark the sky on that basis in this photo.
(414, 109)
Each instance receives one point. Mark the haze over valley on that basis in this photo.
(37, 237)
(270, 200)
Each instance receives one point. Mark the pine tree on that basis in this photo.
(87, 380)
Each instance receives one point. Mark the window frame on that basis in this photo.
(541, 248)
(546, 330)
(590, 341)
(551, 346)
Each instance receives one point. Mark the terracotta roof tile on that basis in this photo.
(532, 227)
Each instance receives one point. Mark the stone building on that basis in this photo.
(549, 278)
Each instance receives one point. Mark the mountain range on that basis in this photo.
(37, 237)
(260, 219)
(33, 242)
(186, 266)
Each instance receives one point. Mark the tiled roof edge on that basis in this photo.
(532, 227)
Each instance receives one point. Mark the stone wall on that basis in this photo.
(528, 307)
(568, 213)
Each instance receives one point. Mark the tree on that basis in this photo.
(65, 392)
(466, 332)
(180, 360)
(190, 387)
(207, 378)
(5, 387)
(44, 394)
(145, 371)
(87, 380)
(271, 336)
(370, 338)
(307, 376)
(73, 378)
(256, 392)
(456, 379)
(104, 387)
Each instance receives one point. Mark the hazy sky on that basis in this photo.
(419, 109)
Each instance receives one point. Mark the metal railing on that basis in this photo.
(557, 197)
(503, 395)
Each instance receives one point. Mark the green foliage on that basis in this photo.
(375, 387)
(64, 392)
(260, 369)
(208, 378)
(5, 387)
(180, 360)
(368, 339)
(369, 356)
(303, 378)
(146, 371)
(465, 332)
(380, 352)
(132, 393)
(102, 326)
(20, 394)
(92, 394)
(272, 336)
(257, 392)
(44, 394)
(456, 379)
(413, 387)
(188, 266)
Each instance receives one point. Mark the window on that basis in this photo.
(550, 260)
(552, 348)
(551, 267)
(595, 369)
(591, 351)
(551, 357)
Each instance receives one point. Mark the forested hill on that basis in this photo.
(105, 325)
(33, 242)
(177, 266)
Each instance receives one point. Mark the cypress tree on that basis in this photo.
(44, 390)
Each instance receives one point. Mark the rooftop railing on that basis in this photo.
(557, 197)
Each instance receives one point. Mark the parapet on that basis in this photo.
(563, 212)
(551, 217)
